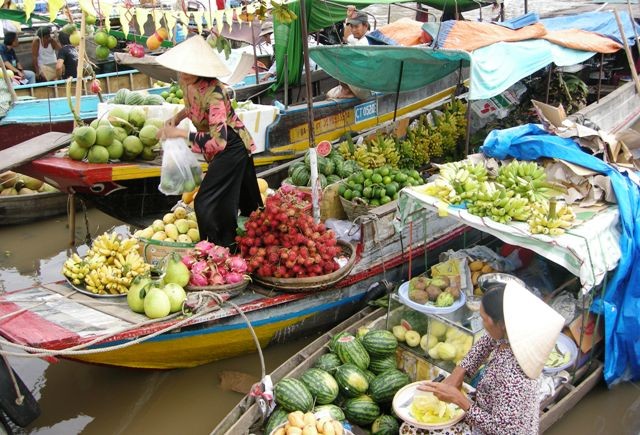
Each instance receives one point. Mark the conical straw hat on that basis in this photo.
(194, 56)
(532, 328)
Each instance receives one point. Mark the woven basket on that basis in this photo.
(232, 290)
(356, 208)
(314, 283)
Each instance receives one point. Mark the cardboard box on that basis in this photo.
(591, 335)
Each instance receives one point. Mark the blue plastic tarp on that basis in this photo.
(620, 304)
(604, 23)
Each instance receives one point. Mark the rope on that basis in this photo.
(19, 395)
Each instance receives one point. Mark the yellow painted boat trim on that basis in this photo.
(192, 350)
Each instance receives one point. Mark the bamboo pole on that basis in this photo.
(80, 70)
(627, 50)
(633, 23)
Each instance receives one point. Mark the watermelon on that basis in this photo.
(350, 350)
(293, 395)
(329, 167)
(324, 148)
(331, 179)
(321, 385)
(361, 410)
(121, 96)
(134, 99)
(387, 384)
(322, 164)
(381, 365)
(332, 343)
(332, 411)
(328, 362)
(321, 178)
(380, 342)
(369, 375)
(385, 425)
(293, 167)
(414, 321)
(277, 417)
(352, 380)
(300, 176)
(153, 100)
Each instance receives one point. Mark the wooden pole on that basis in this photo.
(633, 24)
(627, 50)
(80, 70)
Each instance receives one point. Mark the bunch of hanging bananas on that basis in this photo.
(528, 179)
(281, 13)
(451, 125)
(547, 218)
(386, 145)
(109, 266)
(379, 151)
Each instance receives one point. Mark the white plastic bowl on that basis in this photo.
(403, 293)
(565, 344)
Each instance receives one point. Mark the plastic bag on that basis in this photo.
(180, 171)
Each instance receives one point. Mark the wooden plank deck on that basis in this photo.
(31, 149)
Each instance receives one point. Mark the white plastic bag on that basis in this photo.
(180, 171)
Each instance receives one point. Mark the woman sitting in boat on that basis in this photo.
(67, 62)
(11, 62)
(521, 332)
(44, 49)
(230, 182)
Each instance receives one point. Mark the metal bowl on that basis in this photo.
(496, 281)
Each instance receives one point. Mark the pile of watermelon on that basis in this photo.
(355, 381)
(134, 98)
(331, 169)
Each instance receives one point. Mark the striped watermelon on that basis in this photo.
(369, 375)
(387, 384)
(361, 410)
(328, 362)
(385, 425)
(380, 365)
(332, 411)
(293, 395)
(380, 342)
(352, 380)
(277, 417)
(350, 350)
(321, 385)
(335, 338)
(414, 321)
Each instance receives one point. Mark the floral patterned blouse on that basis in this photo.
(210, 111)
(506, 399)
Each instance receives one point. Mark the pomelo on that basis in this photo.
(98, 154)
(112, 42)
(101, 38)
(137, 117)
(85, 136)
(119, 133)
(74, 38)
(76, 152)
(148, 153)
(90, 19)
(102, 52)
(120, 113)
(154, 121)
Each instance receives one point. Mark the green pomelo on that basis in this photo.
(154, 121)
(132, 146)
(121, 114)
(119, 133)
(101, 38)
(104, 135)
(94, 123)
(148, 135)
(115, 150)
(112, 42)
(102, 52)
(85, 136)
(98, 154)
(137, 117)
(76, 152)
(68, 29)
(74, 38)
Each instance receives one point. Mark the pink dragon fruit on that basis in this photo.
(199, 267)
(218, 254)
(189, 260)
(215, 279)
(204, 247)
(198, 280)
(234, 278)
(237, 264)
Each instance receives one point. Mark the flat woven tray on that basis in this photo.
(232, 290)
(314, 283)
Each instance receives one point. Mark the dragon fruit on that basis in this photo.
(200, 266)
(212, 265)
(216, 279)
(189, 260)
(234, 277)
(203, 248)
(236, 264)
(219, 254)
(198, 280)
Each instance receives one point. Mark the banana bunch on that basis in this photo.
(441, 189)
(75, 268)
(369, 157)
(282, 13)
(347, 149)
(110, 265)
(528, 179)
(387, 147)
(547, 219)
(464, 177)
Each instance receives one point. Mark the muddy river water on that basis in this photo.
(79, 398)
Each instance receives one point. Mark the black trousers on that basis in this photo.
(229, 185)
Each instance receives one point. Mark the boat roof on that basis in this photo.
(494, 67)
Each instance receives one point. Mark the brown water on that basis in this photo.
(80, 398)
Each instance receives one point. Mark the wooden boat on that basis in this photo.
(55, 316)
(246, 415)
(18, 209)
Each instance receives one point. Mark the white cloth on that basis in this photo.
(46, 55)
(351, 40)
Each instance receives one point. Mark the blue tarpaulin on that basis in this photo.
(620, 304)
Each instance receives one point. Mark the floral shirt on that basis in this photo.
(506, 399)
(210, 111)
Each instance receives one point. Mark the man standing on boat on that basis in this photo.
(7, 51)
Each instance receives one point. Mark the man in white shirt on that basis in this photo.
(358, 24)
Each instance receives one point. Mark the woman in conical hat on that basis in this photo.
(230, 183)
(521, 331)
